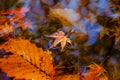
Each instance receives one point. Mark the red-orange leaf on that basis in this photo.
(17, 10)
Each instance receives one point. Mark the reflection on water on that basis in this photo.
(93, 48)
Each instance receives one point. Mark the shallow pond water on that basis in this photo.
(95, 37)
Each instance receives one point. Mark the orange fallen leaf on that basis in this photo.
(31, 53)
(18, 68)
(96, 72)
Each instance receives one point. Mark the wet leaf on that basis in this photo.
(31, 53)
(17, 67)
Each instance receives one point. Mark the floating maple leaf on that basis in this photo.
(60, 37)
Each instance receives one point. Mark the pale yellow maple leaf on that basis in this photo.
(60, 37)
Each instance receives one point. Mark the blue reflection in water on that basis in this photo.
(26, 3)
(102, 5)
(3, 76)
(37, 4)
(93, 31)
(84, 70)
(73, 4)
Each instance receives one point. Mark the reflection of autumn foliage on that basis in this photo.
(65, 16)
(36, 56)
(13, 20)
(18, 13)
(29, 62)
